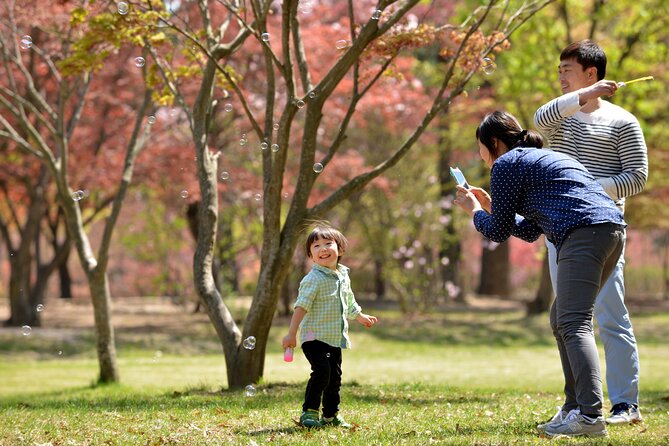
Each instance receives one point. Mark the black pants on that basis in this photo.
(325, 380)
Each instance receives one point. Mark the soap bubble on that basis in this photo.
(312, 94)
(183, 194)
(139, 61)
(26, 42)
(299, 103)
(78, 195)
(151, 120)
(122, 8)
(39, 308)
(225, 175)
(488, 65)
(276, 126)
(250, 342)
(318, 168)
(227, 107)
(341, 44)
(26, 330)
(250, 390)
(172, 6)
(274, 148)
(265, 37)
(264, 146)
(376, 15)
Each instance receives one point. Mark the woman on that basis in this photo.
(535, 191)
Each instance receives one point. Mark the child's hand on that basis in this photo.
(289, 341)
(367, 320)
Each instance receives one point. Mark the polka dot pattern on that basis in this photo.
(538, 191)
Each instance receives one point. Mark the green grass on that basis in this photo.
(460, 378)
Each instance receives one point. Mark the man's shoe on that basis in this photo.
(309, 418)
(335, 421)
(576, 424)
(557, 418)
(624, 413)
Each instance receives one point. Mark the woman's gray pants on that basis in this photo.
(585, 260)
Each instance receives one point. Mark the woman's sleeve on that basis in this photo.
(506, 193)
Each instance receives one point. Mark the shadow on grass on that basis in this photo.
(481, 329)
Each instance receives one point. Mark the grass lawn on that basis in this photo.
(460, 378)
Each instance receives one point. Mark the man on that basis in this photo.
(609, 142)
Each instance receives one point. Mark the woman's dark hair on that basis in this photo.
(588, 54)
(327, 233)
(504, 127)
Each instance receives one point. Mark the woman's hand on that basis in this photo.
(482, 196)
(466, 200)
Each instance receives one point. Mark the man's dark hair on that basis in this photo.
(588, 54)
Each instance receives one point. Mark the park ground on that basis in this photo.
(479, 375)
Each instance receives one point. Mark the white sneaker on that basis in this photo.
(624, 413)
(557, 418)
(576, 424)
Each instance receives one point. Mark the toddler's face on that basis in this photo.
(325, 253)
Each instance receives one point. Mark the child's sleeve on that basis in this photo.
(306, 294)
(353, 308)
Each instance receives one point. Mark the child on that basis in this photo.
(324, 304)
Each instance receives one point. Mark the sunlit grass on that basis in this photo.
(461, 379)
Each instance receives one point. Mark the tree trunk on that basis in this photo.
(379, 280)
(450, 248)
(495, 270)
(65, 279)
(21, 262)
(544, 296)
(104, 330)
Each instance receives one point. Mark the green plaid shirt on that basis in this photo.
(327, 297)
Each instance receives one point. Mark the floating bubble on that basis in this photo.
(225, 175)
(276, 126)
(122, 8)
(305, 7)
(225, 93)
(172, 6)
(376, 15)
(257, 198)
(312, 94)
(299, 103)
(488, 65)
(250, 342)
(151, 120)
(250, 390)
(227, 107)
(265, 37)
(139, 62)
(274, 148)
(26, 42)
(26, 330)
(60, 353)
(243, 141)
(183, 194)
(78, 195)
(341, 44)
(39, 308)
(327, 355)
(318, 168)
(264, 146)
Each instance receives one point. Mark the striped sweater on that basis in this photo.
(608, 142)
